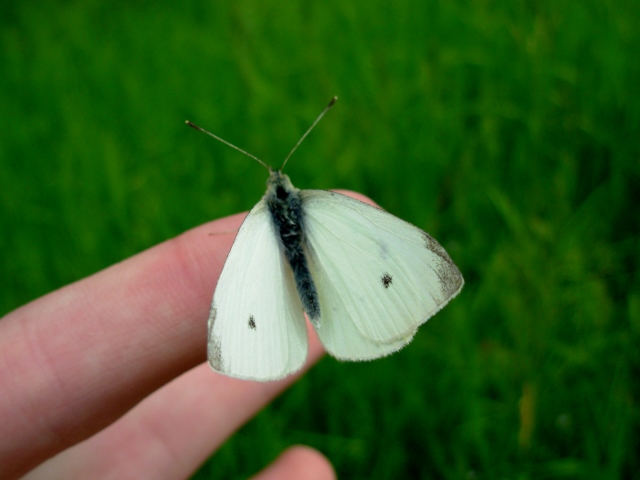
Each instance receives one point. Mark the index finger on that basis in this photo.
(76, 359)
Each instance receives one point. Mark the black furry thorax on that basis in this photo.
(287, 213)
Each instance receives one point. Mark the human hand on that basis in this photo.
(104, 377)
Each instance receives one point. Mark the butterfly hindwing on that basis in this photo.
(257, 329)
(378, 277)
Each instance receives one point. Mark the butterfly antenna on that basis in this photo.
(193, 125)
(331, 103)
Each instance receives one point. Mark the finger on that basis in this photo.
(73, 361)
(170, 433)
(298, 463)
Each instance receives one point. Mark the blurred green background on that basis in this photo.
(508, 129)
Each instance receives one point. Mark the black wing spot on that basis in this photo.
(386, 280)
(252, 322)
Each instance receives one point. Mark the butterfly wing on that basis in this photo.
(257, 329)
(378, 277)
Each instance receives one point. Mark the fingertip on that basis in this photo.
(357, 196)
(299, 462)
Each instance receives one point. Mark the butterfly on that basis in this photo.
(365, 279)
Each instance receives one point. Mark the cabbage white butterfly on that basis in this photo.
(366, 280)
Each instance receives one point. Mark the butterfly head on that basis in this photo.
(279, 185)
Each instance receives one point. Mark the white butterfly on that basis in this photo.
(366, 280)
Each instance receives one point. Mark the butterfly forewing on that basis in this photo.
(378, 277)
(257, 329)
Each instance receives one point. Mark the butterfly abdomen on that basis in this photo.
(285, 206)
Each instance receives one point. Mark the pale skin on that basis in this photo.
(107, 377)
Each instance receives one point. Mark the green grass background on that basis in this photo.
(509, 130)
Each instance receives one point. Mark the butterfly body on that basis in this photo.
(285, 207)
